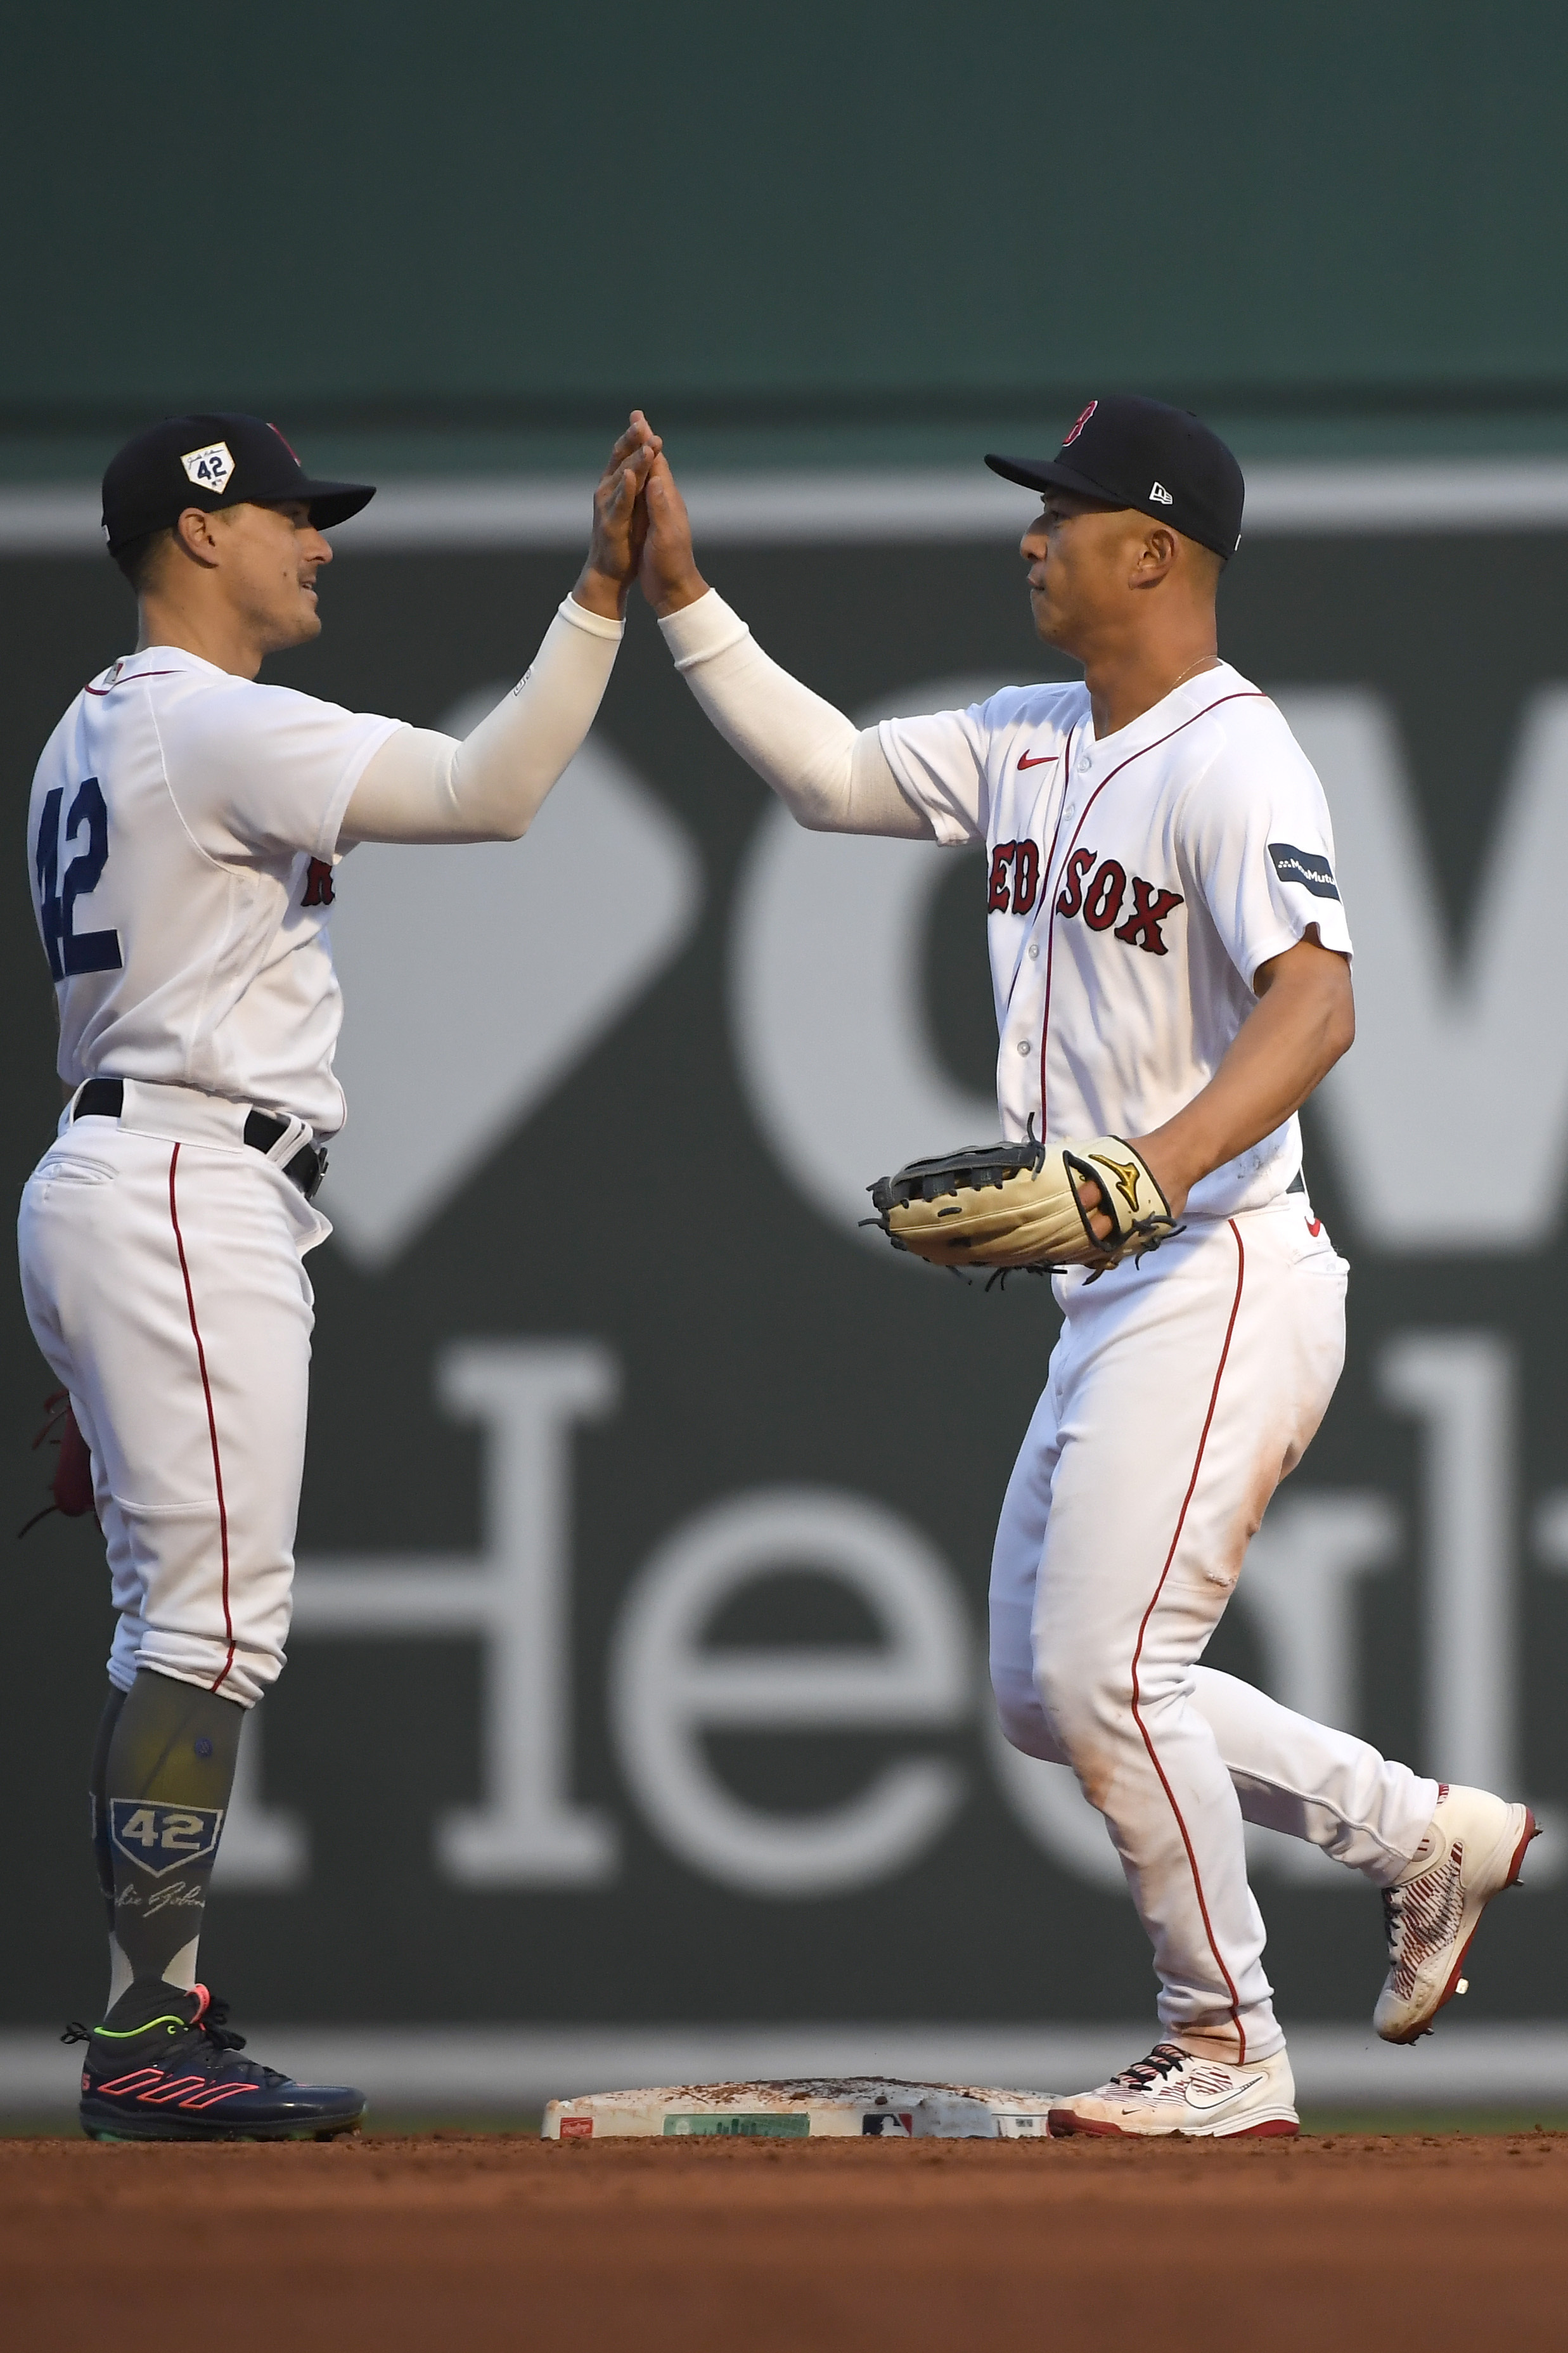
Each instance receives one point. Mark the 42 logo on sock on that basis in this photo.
(160, 1839)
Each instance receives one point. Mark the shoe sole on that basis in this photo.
(1423, 2025)
(1065, 2124)
(102, 2127)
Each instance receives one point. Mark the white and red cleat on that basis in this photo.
(1174, 2091)
(1473, 1849)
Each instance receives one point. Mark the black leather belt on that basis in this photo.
(105, 1099)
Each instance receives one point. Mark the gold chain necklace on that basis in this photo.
(1202, 662)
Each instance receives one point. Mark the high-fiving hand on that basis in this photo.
(640, 530)
(668, 575)
(620, 522)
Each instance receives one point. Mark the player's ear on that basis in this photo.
(1156, 554)
(195, 537)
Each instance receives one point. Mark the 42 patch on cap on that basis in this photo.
(1309, 868)
(160, 1839)
(209, 469)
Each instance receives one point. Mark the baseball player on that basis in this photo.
(183, 837)
(1171, 968)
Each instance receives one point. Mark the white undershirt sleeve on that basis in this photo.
(832, 776)
(425, 786)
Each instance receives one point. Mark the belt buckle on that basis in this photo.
(307, 1168)
(314, 1155)
(306, 1165)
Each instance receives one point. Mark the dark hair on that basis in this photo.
(136, 558)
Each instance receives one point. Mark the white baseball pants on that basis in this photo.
(1180, 1393)
(163, 1279)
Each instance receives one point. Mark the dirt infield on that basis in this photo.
(488, 2241)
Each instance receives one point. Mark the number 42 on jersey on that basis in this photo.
(70, 951)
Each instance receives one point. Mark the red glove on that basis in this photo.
(71, 1485)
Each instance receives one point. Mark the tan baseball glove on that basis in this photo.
(1016, 1205)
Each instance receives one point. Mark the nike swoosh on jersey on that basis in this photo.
(1040, 760)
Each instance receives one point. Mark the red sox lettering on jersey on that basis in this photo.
(1096, 889)
(1133, 888)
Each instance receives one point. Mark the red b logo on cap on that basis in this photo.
(1082, 421)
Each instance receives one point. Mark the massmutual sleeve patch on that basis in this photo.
(1309, 868)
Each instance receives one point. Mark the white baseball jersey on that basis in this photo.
(1134, 888)
(181, 836)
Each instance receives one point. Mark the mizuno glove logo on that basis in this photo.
(1126, 1173)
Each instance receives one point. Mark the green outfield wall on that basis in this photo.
(471, 235)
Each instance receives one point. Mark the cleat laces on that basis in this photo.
(1166, 2059)
(212, 2019)
(211, 2023)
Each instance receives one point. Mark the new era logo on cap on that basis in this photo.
(209, 469)
(1158, 491)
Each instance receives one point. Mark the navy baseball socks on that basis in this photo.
(162, 1775)
(163, 2063)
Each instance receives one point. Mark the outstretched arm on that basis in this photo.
(422, 786)
(831, 776)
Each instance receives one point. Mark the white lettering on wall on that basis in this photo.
(535, 950)
(1461, 1385)
(668, 1688)
(1299, 1588)
(1449, 1047)
(528, 1395)
(826, 987)
(827, 990)
(264, 1848)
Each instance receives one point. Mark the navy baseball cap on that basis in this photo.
(221, 460)
(1138, 453)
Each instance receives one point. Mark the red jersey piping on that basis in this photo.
(212, 1419)
(130, 680)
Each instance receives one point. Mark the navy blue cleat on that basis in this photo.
(163, 2066)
